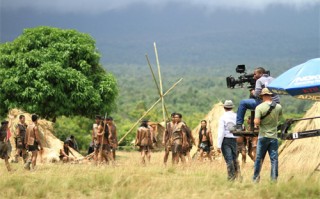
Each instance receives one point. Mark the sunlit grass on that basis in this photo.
(129, 179)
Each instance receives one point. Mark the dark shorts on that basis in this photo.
(205, 146)
(20, 143)
(34, 147)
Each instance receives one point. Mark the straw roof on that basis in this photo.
(302, 154)
(51, 144)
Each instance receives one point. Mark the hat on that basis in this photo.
(228, 104)
(265, 91)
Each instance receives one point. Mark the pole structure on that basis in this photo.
(160, 81)
(155, 80)
(135, 124)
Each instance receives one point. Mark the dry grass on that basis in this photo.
(131, 180)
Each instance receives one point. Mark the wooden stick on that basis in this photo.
(160, 81)
(155, 80)
(135, 124)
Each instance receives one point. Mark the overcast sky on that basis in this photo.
(189, 30)
(98, 6)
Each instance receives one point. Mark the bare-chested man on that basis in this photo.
(113, 140)
(252, 143)
(178, 139)
(4, 145)
(33, 142)
(20, 140)
(241, 148)
(205, 140)
(94, 134)
(102, 146)
(166, 141)
(144, 139)
(64, 153)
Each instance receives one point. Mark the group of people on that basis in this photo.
(267, 113)
(177, 138)
(27, 138)
(104, 140)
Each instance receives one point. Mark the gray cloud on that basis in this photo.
(98, 6)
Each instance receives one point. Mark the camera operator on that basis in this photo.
(263, 79)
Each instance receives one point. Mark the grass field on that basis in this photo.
(128, 179)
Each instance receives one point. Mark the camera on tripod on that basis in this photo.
(242, 79)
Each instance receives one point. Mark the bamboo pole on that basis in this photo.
(160, 81)
(155, 81)
(135, 124)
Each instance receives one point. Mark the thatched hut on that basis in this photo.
(302, 155)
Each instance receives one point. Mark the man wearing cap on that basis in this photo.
(263, 79)
(267, 115)
(227, 142)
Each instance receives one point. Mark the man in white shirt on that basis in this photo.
(227, 142)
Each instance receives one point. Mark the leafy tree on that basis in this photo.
(54, 72)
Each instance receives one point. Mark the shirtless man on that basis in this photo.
(102, 145)
(113, 140)
(178, 139)
(64, 153)
(166, 139)
(33, 142)
(205, 140)
(20, 137)
(241, 148)
(4, 145)
(144, 139)
(94, 134)
(252, 143)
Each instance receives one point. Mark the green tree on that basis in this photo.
(54, 72)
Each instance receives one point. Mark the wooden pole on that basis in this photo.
(135, 124)
(155, 80)
(160, 81)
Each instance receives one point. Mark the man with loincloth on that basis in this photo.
(205, 140)
(20, 140)
(166, 138)
(178, 139)
(113, 140)
(4, 144)
(144, 139)
(64, 153)
(33, 142)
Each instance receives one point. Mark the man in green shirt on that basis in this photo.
(267, 115)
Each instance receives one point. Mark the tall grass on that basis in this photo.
(129, 179)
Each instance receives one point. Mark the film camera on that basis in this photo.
(245, 78)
